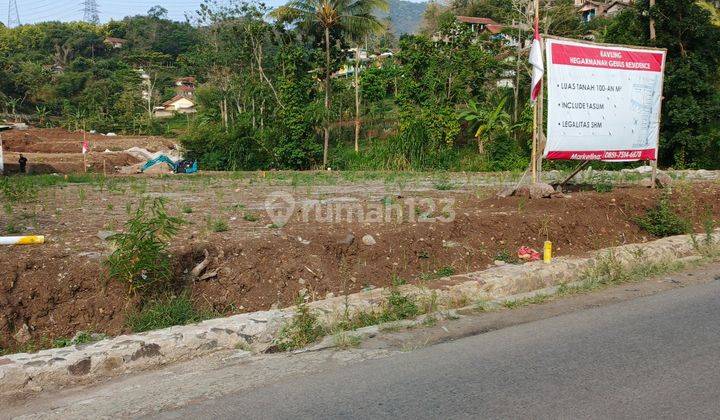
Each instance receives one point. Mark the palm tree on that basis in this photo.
(353, 17)
(487, 119)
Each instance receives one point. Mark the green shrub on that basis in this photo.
(399, 307)
(708, 247)
(215, 148)
(141, 259)
(345, 340)
(603, 186)
(250, 217)
(445, 272)
(507, 256)
(662, 221)
(82, 337)
(302, 331)
(166, 312)
(358, 320)
(220, 226)
(12, 228)
(504, 154)
(444, 184)
(439, 273)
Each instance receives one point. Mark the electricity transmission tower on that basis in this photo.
(91, 11)
(13, 14)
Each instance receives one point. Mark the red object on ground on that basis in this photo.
(526, 253)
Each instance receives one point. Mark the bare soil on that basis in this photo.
(62, 287)
(55, 150)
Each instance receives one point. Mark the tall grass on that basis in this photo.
(413, 151)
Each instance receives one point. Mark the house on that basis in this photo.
(365, 60)
(185, 86)
(481, 25)
(497, 31)
(115, 43)
(179, 104)
(617, 6)
(591, 9)
(54, 68)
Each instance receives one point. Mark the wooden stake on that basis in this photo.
(533, 158)
(84, 154)
(577, 170)
(2, 161)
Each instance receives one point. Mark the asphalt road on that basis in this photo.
(654, 357)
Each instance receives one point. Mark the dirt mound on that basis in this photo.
(60, 151)
(62, 287)
(64, 163)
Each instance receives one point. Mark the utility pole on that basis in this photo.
(91, 11)
(13, 14)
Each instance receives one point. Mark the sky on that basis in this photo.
(33, 11)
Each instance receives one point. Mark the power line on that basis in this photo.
(74, 10)
(91, 11)
(13, 14)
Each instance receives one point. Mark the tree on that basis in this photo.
(487, 120)
(157, 12)
(358, 38)
(352, 16)
(691, 105)
(151, 63)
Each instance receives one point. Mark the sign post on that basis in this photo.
(604, 101)
(536, 89)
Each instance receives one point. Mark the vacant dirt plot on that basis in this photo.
(55, 150)
(62, 287)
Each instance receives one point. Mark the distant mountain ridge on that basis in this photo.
(406, 16)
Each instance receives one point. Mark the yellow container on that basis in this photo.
(547, 254)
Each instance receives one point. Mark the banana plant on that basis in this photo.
(42, 114)
(487, 120)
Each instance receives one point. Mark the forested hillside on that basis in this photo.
(406, 16)
(275, 88)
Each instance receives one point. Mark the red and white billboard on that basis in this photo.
(604, 101)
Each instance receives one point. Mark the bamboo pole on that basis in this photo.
(654, 162)
(540, 125)
(533, 161)
(2, 161)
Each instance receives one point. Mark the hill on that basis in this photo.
(406, 16)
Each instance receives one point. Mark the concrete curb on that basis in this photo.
(48, 369)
